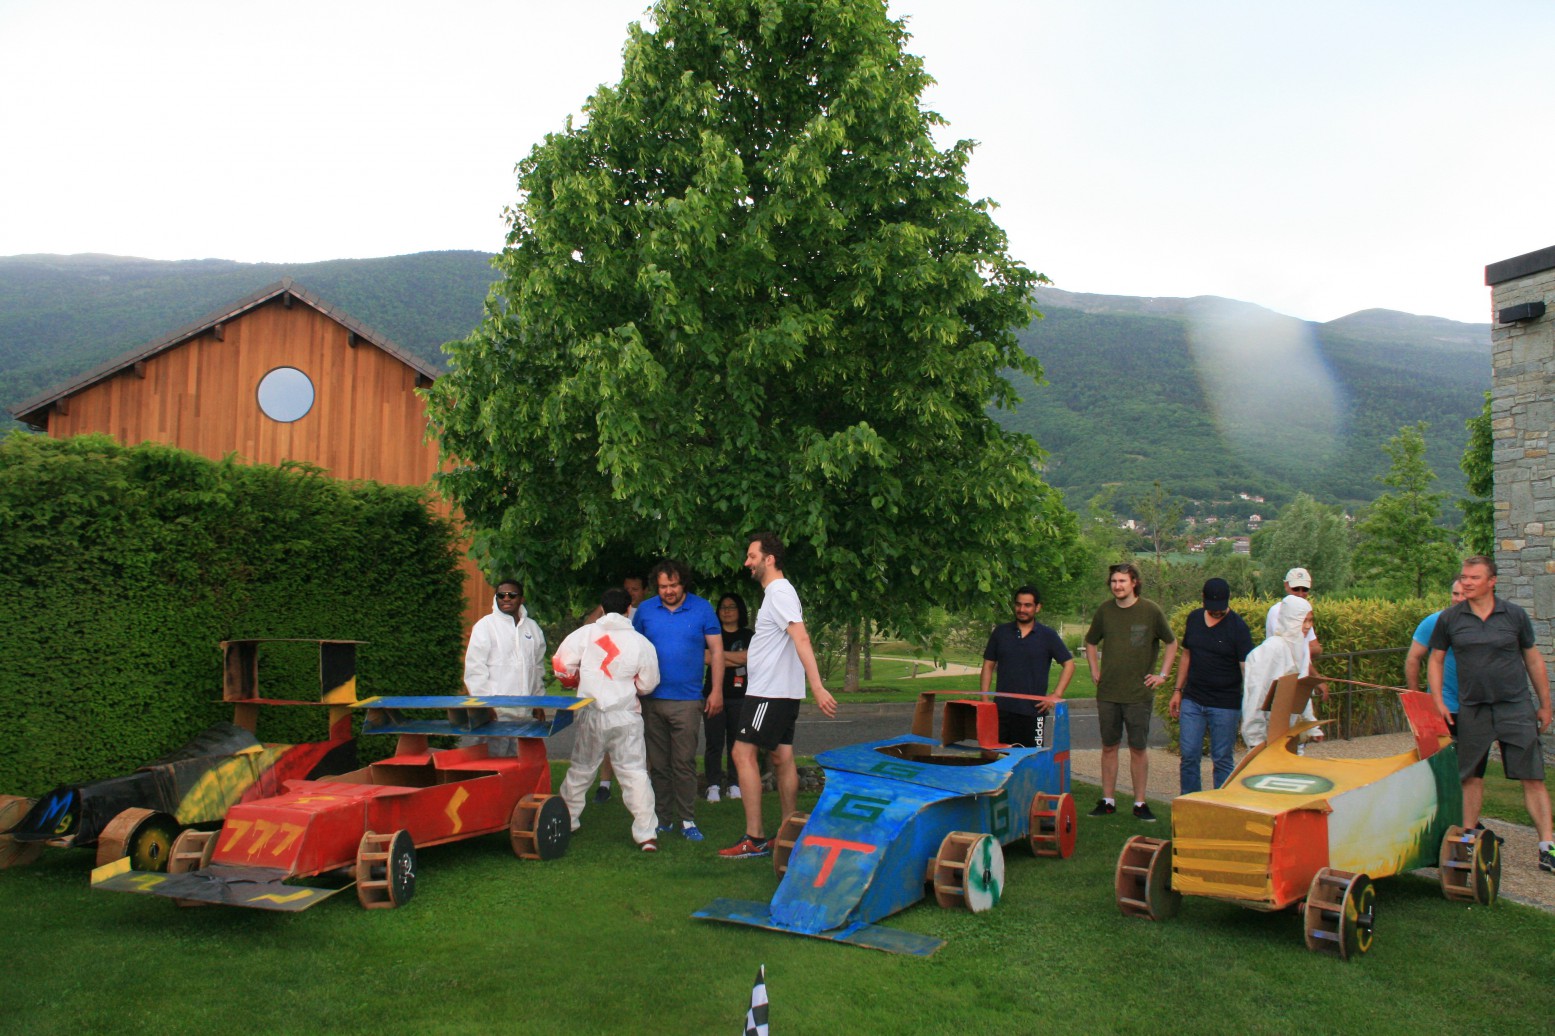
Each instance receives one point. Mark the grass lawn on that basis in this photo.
(602, 941)
(892, 679)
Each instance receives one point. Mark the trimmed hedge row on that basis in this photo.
(1343, 625)
(121, 568)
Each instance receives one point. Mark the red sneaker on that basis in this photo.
(746, 848)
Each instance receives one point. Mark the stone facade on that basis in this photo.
(1522, 413)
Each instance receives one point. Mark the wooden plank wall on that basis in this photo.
(202, 395)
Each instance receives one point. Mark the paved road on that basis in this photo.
(855, 723)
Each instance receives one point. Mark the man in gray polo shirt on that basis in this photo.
(1493, 642)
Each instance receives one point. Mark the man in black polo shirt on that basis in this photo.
(1493, 642)
(1022, 652)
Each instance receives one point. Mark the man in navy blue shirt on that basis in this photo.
(1022, 652)
(681, 626)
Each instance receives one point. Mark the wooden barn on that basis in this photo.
(280, 375)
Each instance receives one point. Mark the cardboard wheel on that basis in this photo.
(784, 841)
(144, 835)
(1143, 879)
(13, 853)
(540, 827)
(969, 872)
(191, 852)
(385, 870)
(1054, 824)
(1469, 865)
(1339, 914)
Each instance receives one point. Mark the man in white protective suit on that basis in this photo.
(1279, 655)
(506, 657)
(613, 664)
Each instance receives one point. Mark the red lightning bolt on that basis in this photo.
(611, 651)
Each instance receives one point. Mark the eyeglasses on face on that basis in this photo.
(507, 595)
(1301, 589)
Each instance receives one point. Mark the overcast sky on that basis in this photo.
(1315, 158)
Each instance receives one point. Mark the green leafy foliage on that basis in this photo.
(122, 568)
(1478, 464)
(1400, 546)
(1307, 535)
(750, 292)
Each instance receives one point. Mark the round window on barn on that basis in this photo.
(285, 394)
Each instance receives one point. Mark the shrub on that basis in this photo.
(121, 568)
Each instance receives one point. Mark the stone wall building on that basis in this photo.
(1522, 414)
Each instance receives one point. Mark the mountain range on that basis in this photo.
(1214, 398)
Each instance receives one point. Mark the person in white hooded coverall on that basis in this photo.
(506, 656)
(613, 664)
(1279, 655)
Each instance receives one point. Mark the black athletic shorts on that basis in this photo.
(768, 722)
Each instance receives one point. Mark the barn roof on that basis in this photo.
(34, 411)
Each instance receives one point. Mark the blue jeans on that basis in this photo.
(1192, 720)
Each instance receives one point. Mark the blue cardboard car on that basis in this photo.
(911, 815)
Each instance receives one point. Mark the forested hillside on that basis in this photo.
(1210, 396)
(1214, 397)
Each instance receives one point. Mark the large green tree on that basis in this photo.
(1478, 463)
(749, 291)
(1306, 535)
(1401, 547)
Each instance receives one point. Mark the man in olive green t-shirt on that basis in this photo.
(1127, 628)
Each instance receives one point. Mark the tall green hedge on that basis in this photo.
(122, 568)
(1343, 625)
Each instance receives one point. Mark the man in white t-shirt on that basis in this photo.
(1298, 581)
(777, 663)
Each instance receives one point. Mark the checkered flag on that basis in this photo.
(756, 1017)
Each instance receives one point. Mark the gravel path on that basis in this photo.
(1521, 879)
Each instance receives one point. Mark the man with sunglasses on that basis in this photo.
(505, 657)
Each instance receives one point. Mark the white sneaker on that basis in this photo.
(712, 793)
(734, 791)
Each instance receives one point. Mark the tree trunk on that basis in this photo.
(869, 650)
(850, 677)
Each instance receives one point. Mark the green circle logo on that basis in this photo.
(1288, 783)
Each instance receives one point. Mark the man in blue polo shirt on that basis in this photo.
(1420, 649)
(681, 626)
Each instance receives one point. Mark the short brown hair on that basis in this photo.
(1480, 559)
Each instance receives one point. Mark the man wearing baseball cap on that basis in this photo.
(1298, 581)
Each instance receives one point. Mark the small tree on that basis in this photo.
(1479, 509)
(1308, 535)
(1401, 547)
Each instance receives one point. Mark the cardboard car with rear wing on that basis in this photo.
(912, 815)
(140, 813)
(1290, 830)
(362, 828)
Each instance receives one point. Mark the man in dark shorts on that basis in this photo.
(1497, 658)
(1022, 652)
(1127, 629)
(777, 662)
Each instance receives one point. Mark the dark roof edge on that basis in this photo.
(1520, 266)
(24, 410)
